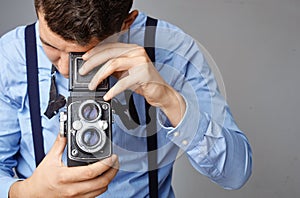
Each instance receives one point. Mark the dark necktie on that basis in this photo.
(56, 101)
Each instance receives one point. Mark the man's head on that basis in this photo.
(78, 25)
(81, 20)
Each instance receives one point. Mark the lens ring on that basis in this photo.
(90, 140)
(90, 111)
(90, 137)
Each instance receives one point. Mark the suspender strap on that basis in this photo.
(151, 114)
(33, 93)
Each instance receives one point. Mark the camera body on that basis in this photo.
(88, 120)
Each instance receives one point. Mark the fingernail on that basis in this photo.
(91, 86)
(81, 71)
(105, 98)
(85, 56)
(114, 158)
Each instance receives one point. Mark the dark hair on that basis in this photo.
(82, 20)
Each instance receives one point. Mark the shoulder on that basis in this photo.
(171, 40)
(12, 49)
(167, 34)
(12, 64)
(12, 41)
(141, 19)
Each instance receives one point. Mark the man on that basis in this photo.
(191, 116)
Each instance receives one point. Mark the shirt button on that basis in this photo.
(176, 134)
(185, 142)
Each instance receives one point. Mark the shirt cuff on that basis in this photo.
(191, 128)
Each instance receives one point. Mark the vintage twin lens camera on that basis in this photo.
(88, 119)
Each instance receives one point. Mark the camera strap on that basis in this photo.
(149, 43)
(33, 93)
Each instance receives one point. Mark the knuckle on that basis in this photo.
(61, 178)
(143, 59)
(104, 189)
(105, 182)
(89, 172)
(140, 49)
(70, 193)
(108, 51)
(136, 50)
(114, 63)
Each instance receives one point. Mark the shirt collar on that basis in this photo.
(37, 32)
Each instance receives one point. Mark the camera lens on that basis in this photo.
(90, 111)
(90, 137)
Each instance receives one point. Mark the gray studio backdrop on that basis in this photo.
(256, 46)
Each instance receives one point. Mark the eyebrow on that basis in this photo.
(46, 43)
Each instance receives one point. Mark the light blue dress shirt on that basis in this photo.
(207, 134)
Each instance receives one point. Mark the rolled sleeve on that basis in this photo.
(190, 129)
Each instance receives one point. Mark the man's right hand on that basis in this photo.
(53, 179)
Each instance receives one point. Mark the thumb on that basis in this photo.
(58, 146)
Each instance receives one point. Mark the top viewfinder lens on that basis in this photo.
(90, 111)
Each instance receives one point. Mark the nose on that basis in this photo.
(63, 64)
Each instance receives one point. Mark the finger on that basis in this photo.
(58, 146)
(115, 65)
(107, 54)
(136, 77)
(104, 46)
(82, 173)
(98, 184)
(111, 173)
(119, 87)
(98, 59)
(121, 64)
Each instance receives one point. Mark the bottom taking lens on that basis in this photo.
(91, 137)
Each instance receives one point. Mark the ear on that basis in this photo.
(129, 20)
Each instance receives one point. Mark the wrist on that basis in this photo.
(173, 105)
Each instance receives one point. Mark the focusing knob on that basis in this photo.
(103, 124)
(77, 125)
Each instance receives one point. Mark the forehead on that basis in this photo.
(54, 40)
